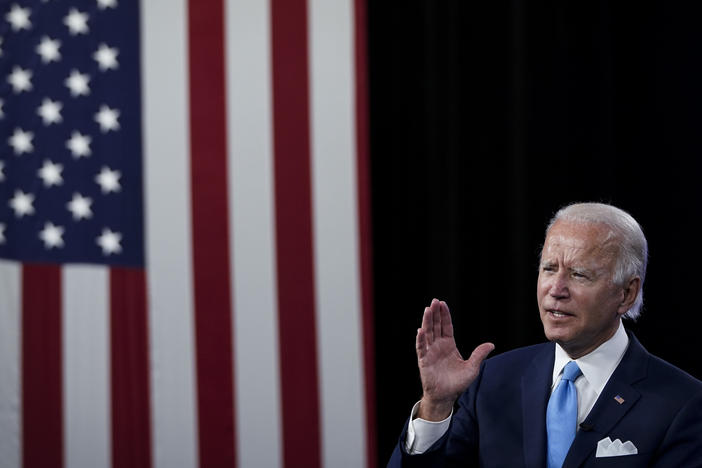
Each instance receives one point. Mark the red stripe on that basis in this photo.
(297, 329)
(364, 217)
(42, 389)
(131, 425)
(213, 326)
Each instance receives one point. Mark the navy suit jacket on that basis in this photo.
(501, 418)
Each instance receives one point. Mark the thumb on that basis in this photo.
(479, 354)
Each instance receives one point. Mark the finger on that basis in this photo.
(446, 323)
(428, 325)
(421, 343)
(436, 317)
(479, 354)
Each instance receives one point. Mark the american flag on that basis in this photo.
(184, 234)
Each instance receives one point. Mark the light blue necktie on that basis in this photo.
(562, 416)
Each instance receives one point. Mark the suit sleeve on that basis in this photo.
(457, 448)
(682, 444)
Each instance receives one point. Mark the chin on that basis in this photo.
(557, 334)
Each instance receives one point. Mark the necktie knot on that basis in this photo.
(571, 371)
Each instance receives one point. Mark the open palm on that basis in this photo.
(444, 372)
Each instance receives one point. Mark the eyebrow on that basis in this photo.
(576, 269)
(546, 263)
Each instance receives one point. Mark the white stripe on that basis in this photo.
(10, 359)
(336, 232)
(86, 367)
(252, 229)
(168, 245)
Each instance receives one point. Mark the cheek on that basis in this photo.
(592, 306)
(541, 294)
(540, 282)
(542, 287)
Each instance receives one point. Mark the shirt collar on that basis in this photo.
(598, 365)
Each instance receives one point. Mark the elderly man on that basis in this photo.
(593, 396)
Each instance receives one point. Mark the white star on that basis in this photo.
(20, 79)
(102, 4)
(2, 233)
(51, 235)
(108, 180)
(80, 207)
(18, 17)
(2, 174)
(50, 173)
(109, 242)
(49, 49)
(107, 118)
(106, 57)
(77, 82)
(77, 22)
(22, 203)
(21, 141)
(79, 145)
(50, 111)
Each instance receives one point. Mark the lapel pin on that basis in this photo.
(619, 399)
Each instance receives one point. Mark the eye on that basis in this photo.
(548, 267)
(578, 274)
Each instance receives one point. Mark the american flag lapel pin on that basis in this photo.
(619, 399)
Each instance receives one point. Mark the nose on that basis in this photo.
(559, 286)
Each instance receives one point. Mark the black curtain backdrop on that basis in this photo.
(488, 116)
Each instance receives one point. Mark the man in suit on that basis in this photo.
(591, 396)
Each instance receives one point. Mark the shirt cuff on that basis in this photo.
(422, 434)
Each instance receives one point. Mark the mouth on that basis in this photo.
(559, 314)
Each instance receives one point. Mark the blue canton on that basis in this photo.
(70, 132)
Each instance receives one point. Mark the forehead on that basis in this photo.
(581, 241)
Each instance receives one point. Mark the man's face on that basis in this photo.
(579, 304)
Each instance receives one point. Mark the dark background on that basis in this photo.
(486, 117)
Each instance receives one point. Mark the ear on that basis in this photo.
(630, 290)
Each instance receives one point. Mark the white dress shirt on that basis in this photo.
(597, 367)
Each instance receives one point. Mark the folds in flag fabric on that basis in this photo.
(184, 234)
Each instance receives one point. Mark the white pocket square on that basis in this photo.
(607, 448)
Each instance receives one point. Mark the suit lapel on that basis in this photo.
(616, 399)
(536, 385)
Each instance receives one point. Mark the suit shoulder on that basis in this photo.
(663, 371)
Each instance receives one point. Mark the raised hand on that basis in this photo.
(444, 372)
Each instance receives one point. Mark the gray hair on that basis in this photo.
(632, 257)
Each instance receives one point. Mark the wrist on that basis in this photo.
(434, 410)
